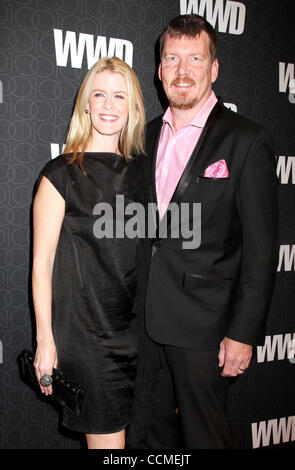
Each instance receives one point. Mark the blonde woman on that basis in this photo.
(83, 285)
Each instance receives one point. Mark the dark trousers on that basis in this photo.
(180, 400)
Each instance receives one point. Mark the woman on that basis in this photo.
(83, 285)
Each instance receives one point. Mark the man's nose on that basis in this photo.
(183, 66)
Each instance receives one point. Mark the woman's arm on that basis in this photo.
(48, 214)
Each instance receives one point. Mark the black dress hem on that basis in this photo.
(75, 429)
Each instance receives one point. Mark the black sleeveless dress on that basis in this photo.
(92, 291)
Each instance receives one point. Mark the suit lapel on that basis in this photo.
(195, 163)
(198, 156)
(152, 151)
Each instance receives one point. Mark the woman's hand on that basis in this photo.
(45, 361)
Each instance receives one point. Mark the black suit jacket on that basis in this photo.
(194, 297)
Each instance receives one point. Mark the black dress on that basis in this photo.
(92, 291)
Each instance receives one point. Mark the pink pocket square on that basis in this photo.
(217, 170)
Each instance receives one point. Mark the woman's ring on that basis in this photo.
(46, 380)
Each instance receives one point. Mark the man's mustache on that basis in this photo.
(180, 80)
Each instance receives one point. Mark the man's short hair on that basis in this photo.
(191, 26)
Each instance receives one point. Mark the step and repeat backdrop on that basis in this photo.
(46, 47)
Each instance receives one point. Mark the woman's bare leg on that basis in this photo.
(115, 440)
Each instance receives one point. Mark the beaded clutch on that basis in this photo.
(65, 392)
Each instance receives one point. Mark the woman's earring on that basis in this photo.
(86, 111)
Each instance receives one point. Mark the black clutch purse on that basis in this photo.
(65, 392)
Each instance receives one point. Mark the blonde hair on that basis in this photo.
(131, 139)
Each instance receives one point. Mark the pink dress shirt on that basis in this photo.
(174, 151)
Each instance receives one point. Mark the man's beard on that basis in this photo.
(182, 101)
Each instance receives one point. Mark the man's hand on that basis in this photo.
(234, 357)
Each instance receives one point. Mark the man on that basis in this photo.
(204, 307)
